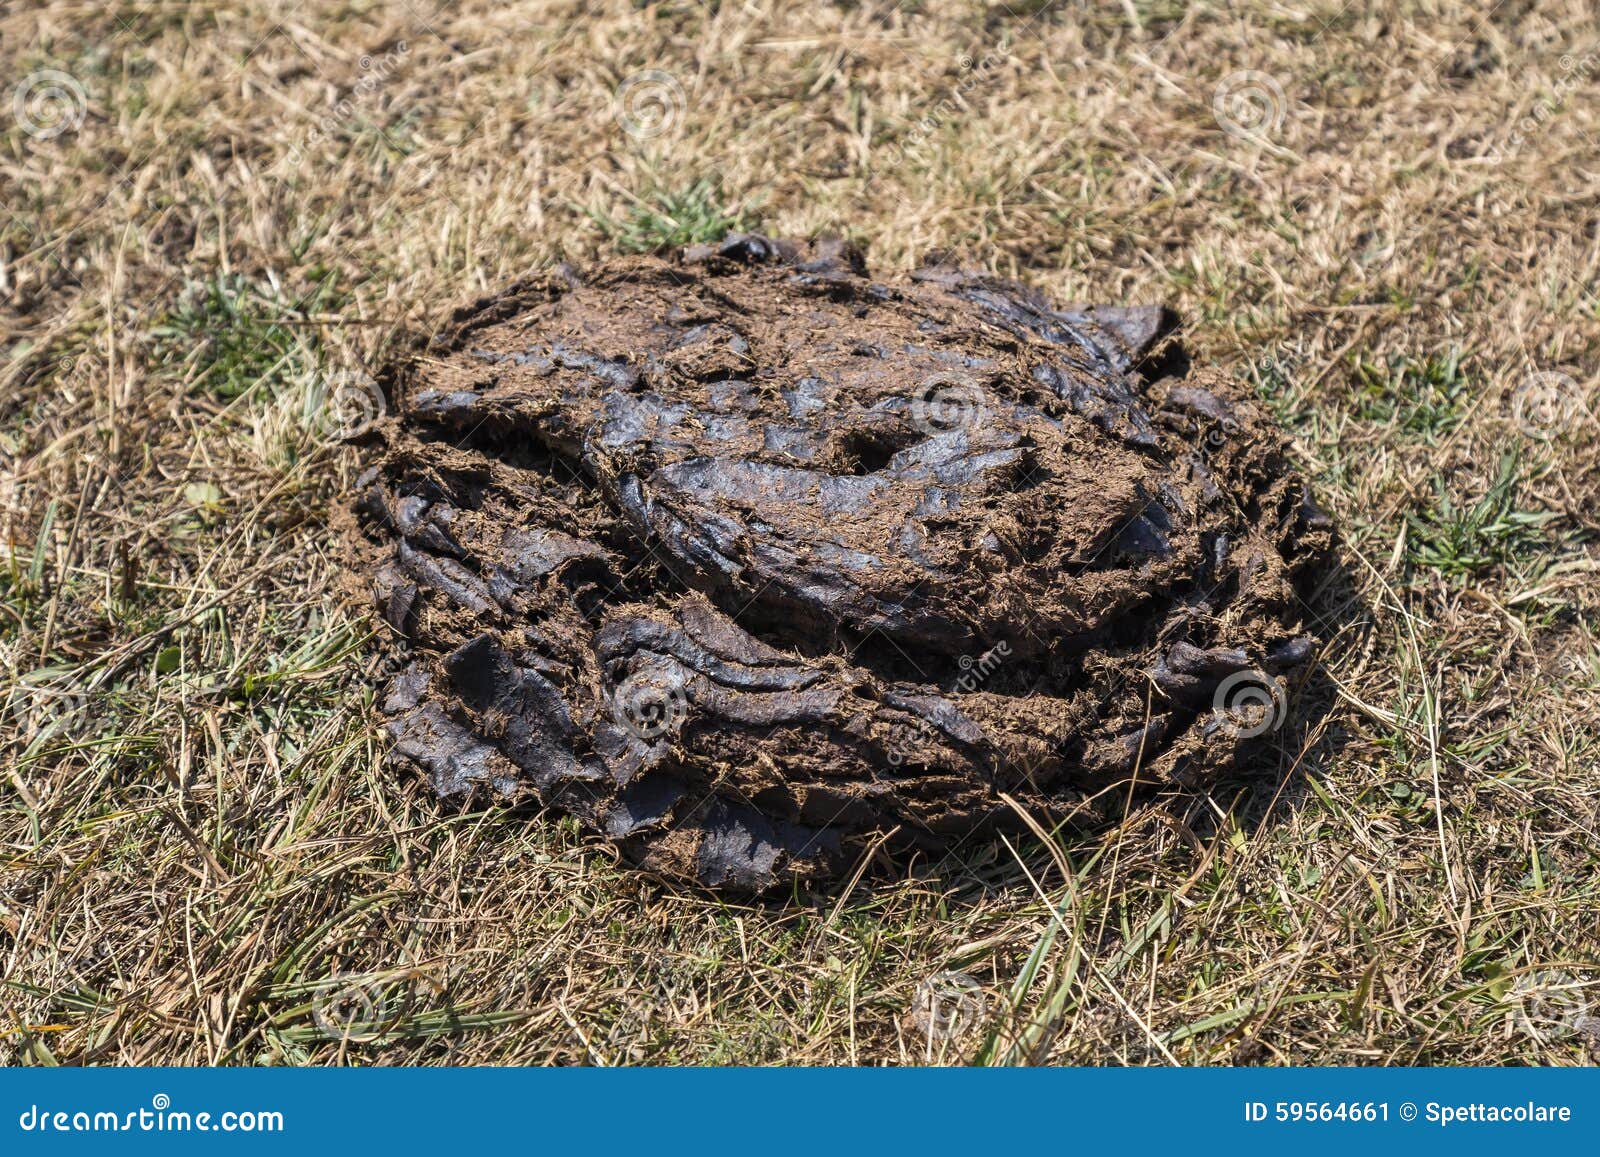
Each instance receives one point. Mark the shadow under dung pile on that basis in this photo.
(747, 558)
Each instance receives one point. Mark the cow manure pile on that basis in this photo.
(753, 563)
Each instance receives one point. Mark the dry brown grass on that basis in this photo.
(193, 860)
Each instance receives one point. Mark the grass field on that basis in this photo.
(1385, 216)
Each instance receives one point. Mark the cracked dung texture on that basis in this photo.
(747, 558)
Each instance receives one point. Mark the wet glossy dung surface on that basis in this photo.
(746, 558)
